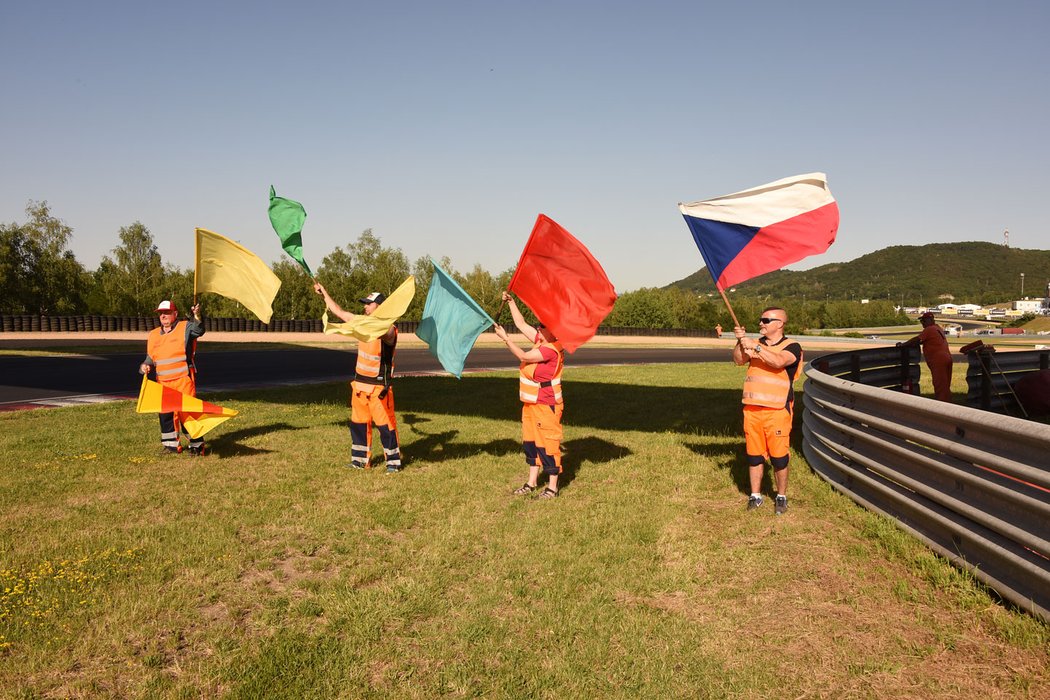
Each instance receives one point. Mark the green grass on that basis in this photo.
(268, 569)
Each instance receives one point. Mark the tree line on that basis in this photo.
(40, 275)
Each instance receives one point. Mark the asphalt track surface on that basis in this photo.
(41, 380)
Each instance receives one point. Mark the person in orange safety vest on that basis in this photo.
(170, 352)
(772, 364)
(539, 388)
(938, 355)
(371, 393)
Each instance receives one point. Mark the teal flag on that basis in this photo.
(452, 322)
(287, 217)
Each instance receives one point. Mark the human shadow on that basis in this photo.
(732, 459)
(588, 450)
(434, 448)
(229, 444)
(598, 405)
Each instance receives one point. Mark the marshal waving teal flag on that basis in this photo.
(451, 323)
(287, 217)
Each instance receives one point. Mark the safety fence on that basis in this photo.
(991, 376)
(82, 324)
(73, 324)
(971, 484)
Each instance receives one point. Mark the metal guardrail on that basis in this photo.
(973, 485)
(991, 376)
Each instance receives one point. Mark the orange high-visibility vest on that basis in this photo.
(168, 352)
(765, 386)
(370, 369)
(529, 388)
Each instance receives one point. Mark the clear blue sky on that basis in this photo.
(446, 127)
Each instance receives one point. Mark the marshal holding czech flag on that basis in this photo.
(198, 417)
(559, 279)
(749, 233)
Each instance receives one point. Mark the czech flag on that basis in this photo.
(750, 233)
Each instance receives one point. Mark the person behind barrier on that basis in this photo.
(938, 355)
(371, 393)
(772, 363)
(539, 388)
(170, 351)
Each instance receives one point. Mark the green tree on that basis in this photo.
(38, 274)
(365, 266)
(642, 308)
(17, 262)
(296, 298)
(485, 289)
(134, 280)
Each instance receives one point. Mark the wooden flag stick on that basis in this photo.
(728, 306)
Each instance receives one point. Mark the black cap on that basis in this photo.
(374, 297)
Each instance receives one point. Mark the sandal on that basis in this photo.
(525, 488)
(549, 493)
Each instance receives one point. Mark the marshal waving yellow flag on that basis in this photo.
(378, 323)
(231, 270)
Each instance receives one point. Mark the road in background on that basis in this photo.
(55, 380)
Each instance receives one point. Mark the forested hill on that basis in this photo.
(980, 273)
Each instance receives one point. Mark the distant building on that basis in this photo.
(1029, 306)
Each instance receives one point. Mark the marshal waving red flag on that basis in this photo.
(559, 279)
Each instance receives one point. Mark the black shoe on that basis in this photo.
(754, 502)
(198, 451)
(780, 505)
(171, 450)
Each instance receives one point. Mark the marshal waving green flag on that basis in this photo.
(451, 323)
(287, 217)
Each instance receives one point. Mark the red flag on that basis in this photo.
(559, 279)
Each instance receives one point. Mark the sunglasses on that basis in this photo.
(768, 320)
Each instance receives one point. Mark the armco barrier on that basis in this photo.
(991, 375)
(973, 485)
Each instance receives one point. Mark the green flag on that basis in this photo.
(287, 217)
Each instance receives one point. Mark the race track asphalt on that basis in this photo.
(35, 380)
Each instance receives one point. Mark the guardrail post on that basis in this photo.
(906, 385)
(854, 367)
(986, 380)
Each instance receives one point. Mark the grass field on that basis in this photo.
(269, 569)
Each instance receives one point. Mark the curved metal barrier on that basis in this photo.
(973, 485)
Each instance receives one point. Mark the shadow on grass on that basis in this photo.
(229, 444)
(588, 450)
(602, 406)
(733, 457)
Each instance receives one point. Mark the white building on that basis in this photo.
(1030, 306)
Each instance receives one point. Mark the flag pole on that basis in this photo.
(728, 306)
(196, 261)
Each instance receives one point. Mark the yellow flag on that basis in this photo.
(197, 416)
(378, 323)
(233, 271)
